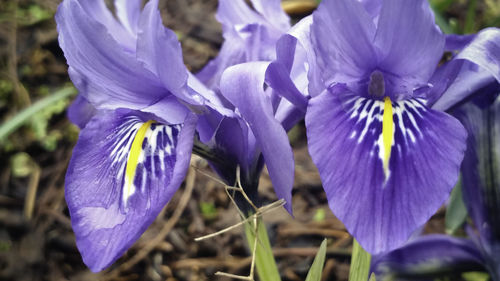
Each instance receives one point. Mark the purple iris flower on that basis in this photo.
(135, 106)
(387, 158)
(257, 132)
(428, 256)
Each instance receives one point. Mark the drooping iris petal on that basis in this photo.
(455, 82)
(125, 167)
(484, 51)
(480, 169)
(113, 76)
(386, 166)
(81, 111)
(427, 258)
(342, 36)
(409, 44)
(243, 86)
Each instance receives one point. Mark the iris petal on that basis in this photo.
(480, 168)
(484, 50)
(81, 111)
(342, 36)
(250, 35)
(409, 44)
(128, 12)
(108, 75)
(382, 206)
(243, 86)
(428, 257)
(159, 48)
(125, 168)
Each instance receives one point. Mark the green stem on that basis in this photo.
(360, 263)
(264, 259)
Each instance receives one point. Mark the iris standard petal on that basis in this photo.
(427, 258)
(342, 36)
(272, 11)
(159, 48)
(386, 166)
(113, 76)
(407, 40)
(243, 86)
(124, 169)
(97, 11)
(128, 12)
(236, 12)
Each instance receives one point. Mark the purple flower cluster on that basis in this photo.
(365, 74)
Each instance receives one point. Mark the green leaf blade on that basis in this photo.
(264, 258)
(456, 212)
(316, 269)
(360, 263)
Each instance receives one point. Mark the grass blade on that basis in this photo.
(264, 260)
(456, 212)
(17, 121)
(360, 263)
(316, 269)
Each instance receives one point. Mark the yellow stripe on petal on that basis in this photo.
(133, 157)
(387, 133)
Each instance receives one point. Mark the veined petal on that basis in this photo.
(428, 258)
(409, 44)
(108, 75)
(97, 11)
(124, 169)
(243, 86)
(386, 166)
(159, 48)
(342, 36)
